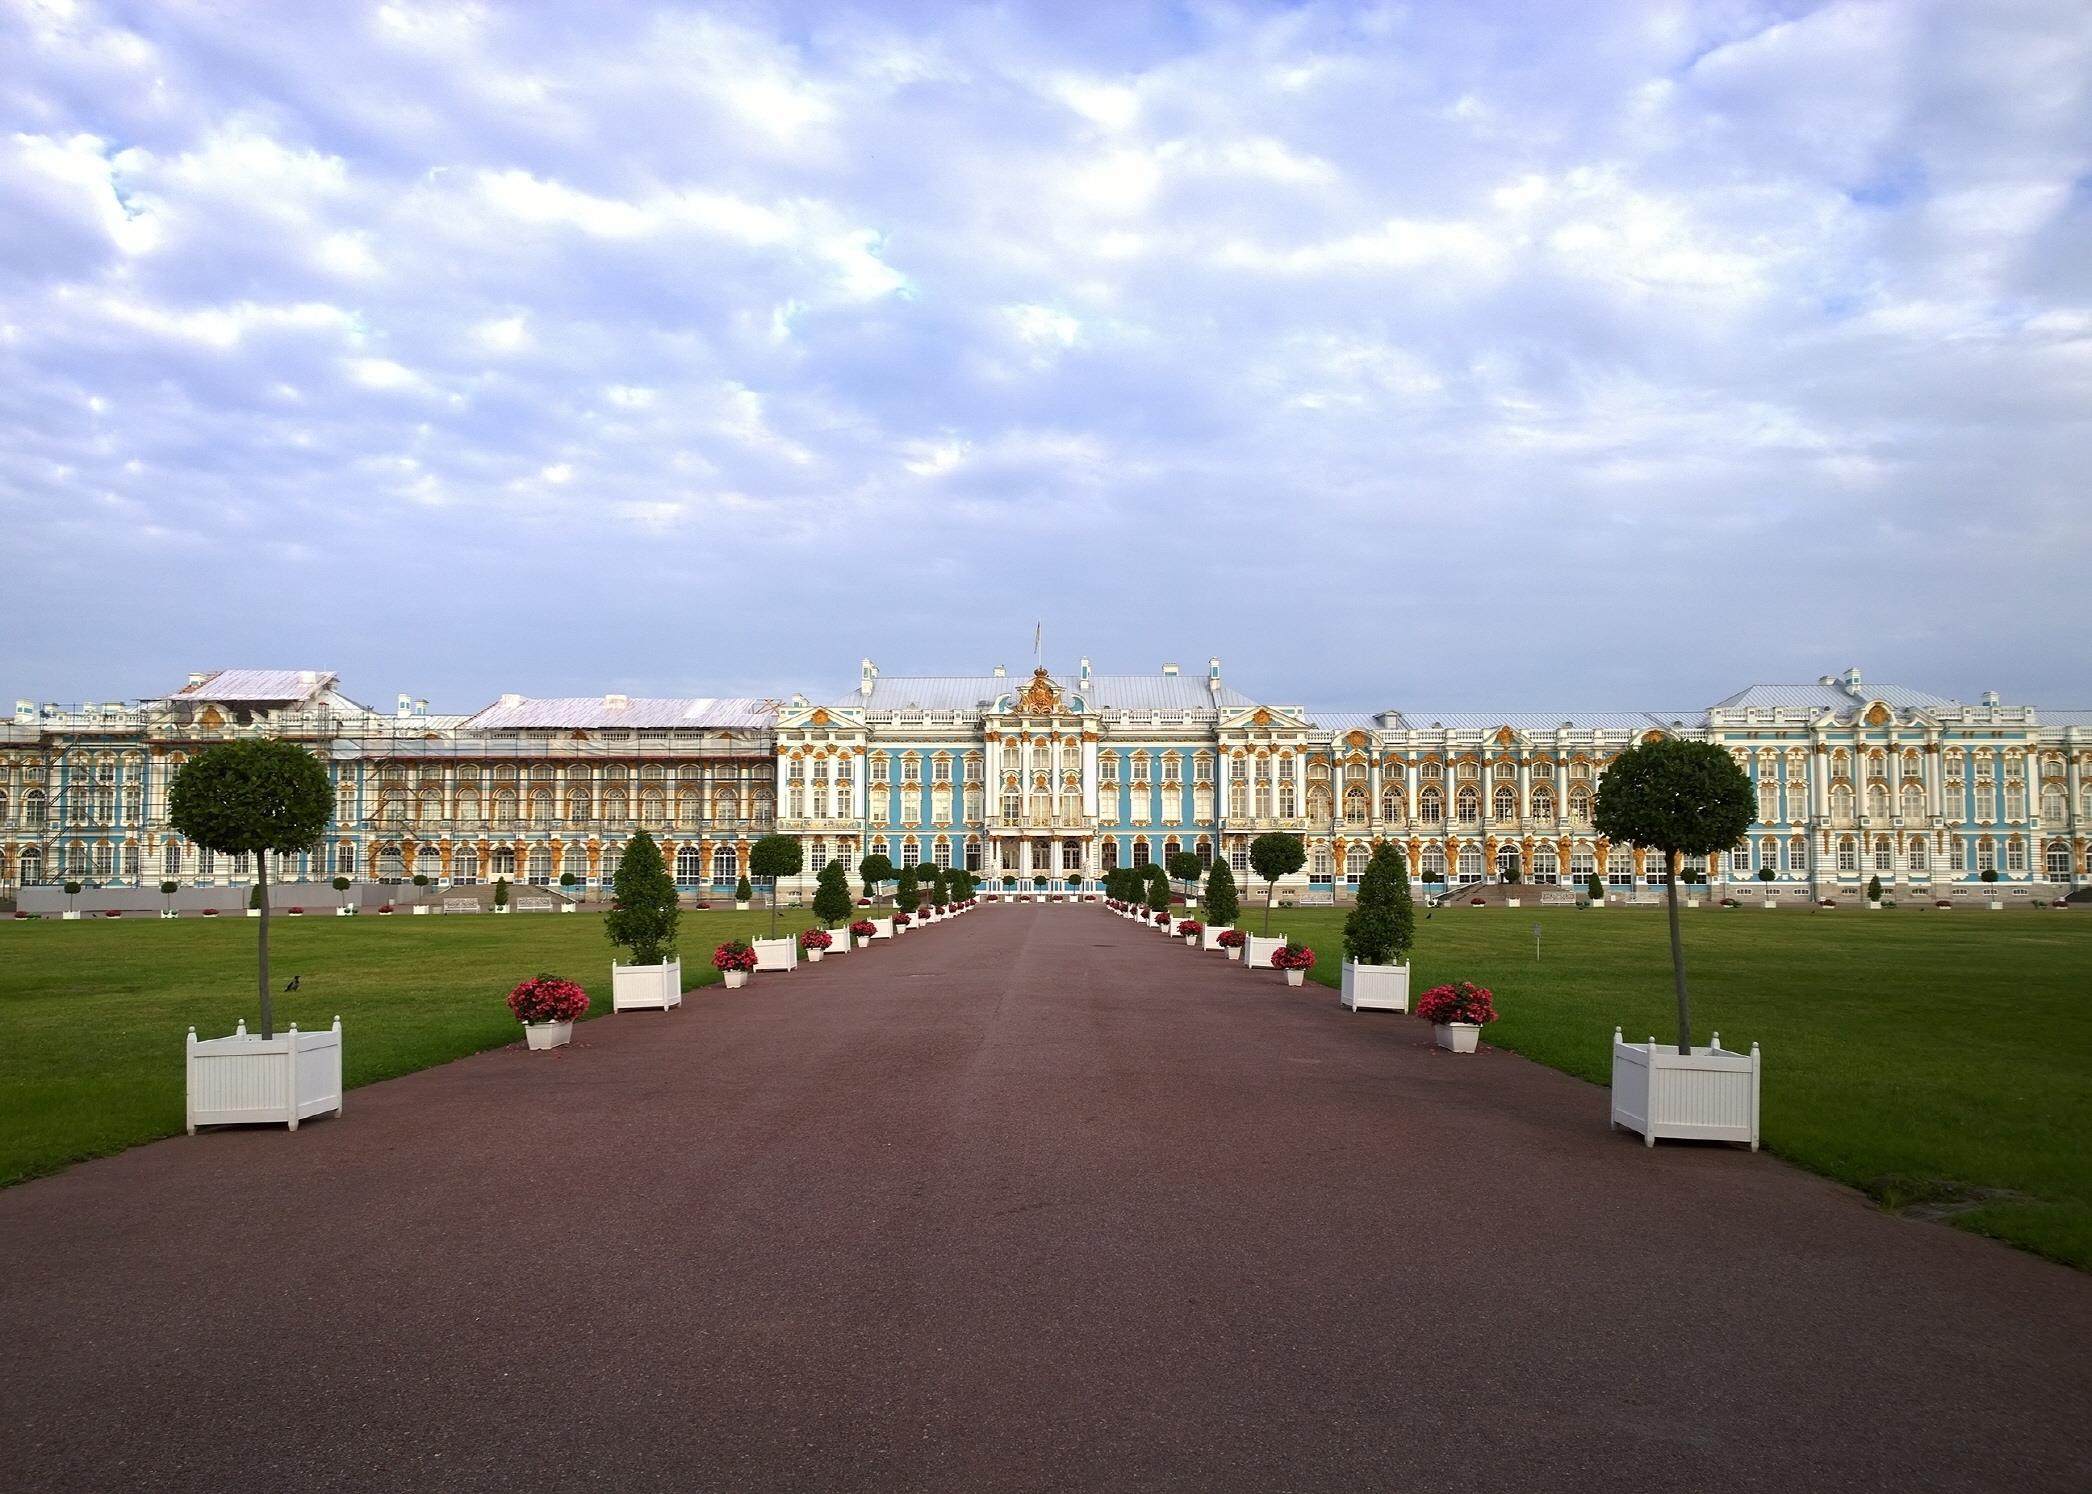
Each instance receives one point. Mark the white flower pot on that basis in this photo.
(1770, 903)
(775, 954)
(740, 907)
(1209, 938)
(1234, 951)
(1510, 902)
(566, 907)
(1692, 902)
(344, 912)
(646, 987)
(1374, 987)
(1996, 903)
(1456, 1037)
(501, 907)
(169, 913)
(69, 916)
(243, 1080)
(254, 912)
(813, 956)
(735, 979)
(1710, 1094)
(542, 1035)
(1295, 977)
(1873, 906)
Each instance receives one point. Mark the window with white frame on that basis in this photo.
(1740, 858)
(941, 854)
(2057, 861)
(1848, 854)
(2015, 855)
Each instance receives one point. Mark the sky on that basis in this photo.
(1434, 356)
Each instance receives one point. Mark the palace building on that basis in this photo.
(1054, 779)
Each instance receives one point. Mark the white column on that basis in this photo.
(1089, 778)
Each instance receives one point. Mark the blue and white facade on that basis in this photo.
(1052, 780)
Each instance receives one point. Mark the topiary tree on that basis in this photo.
(874, 869)
(1595, 887)
(1381, 927)
(1873, 889)
(421, 886)
(1987, 876)
(341, 884)
(743, 893)
(254, 896)
(1272, 855)
(252, 797)
(501, 892)
(167, 891)
(1765, 874)
(905, 896)
(1184, 866)
(1157, 889)
(1677, 798)
(1222, 905)
(72, 890)
(832, 894)
(643, 906)
(775, 856)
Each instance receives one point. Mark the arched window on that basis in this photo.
(2058, 861)
(391, 868)
(468, 809)
(429, 810)
(653, 812)
(505, 807)
(690, 866)
(428, 862)
(1543, 802)
(1391, 806)
(1430, 808)
(574, 861)
(1433, 861)
(1841, 801)
(1354, 806)
(614, 808)
(538, 870)
(464, 866)
(1468, 807)
(726, 809)
(1546, 865)
(501, 861)
(4, 806)
(1470, 863)
(32, 866)
(1579, 805)
(171, 860)
(541, 808)
(2052, 803)
(33, 804)
(1505, 802)
(1913, 801)
(1287, 807)
(1917, 857)
(1319, 861)
(1848, 854)
(726, 865)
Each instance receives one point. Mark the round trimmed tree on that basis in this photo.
(1158, 888)
(1676, 798)
(1184, 866)
(874, 869)
(644, 910)
(832, 894)
(1272, 855)
(1222, 904)
(252, 797)
(1381, 927)
(906, 897)
(776, 856)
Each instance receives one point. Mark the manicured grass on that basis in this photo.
(92, 1014)
(1931, 1058)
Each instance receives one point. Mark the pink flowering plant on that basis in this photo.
(816, 939)
(733, 955)
(1462, 1001)
(1292, 955)
(547, 998)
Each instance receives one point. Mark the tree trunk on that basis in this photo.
(1270, 897)
(1670, 887)
(773, 907)
(261, 881)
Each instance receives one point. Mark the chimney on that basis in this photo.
(616, 702)
(1213, 676)
(867, 671)
(510, 702)
(1085, 669)
(405, 706)
(307, 677)
(1169, 669)
(25, 713)
(198, 676)
(421, 708)
(1000, 672)
(1990, 698)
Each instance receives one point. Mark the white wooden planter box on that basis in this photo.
(242, 1080)
(646, 987)
(840, 943)
(775, 954)
(1209, 937)
(882, 928)
(1710, 1094)
(1260, 950)
(1374, 987)
(419, 910)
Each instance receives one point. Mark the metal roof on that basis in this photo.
(1546, 721)
(1820, 697)
(259, 684)
(637, 712)
(1102, 692)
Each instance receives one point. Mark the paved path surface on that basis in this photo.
(1031, 1200)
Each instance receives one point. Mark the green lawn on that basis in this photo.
(1932, 1058)
(1929, 1057)
(92, 1013)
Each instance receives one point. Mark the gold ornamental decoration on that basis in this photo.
(1040, 698)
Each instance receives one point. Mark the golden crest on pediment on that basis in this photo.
(1877, 714)
(1262, 717)
(1041, 697)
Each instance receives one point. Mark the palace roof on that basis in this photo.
(1822, 697)
(258, 684)
(613, 712)
(1103, 692)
